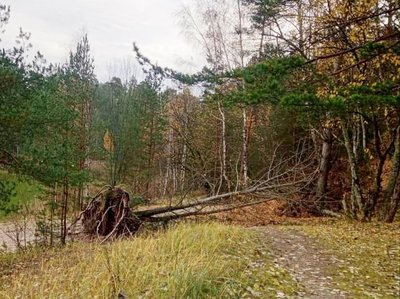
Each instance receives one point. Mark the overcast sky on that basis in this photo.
(112, 26)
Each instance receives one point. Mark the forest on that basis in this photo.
(168, 184)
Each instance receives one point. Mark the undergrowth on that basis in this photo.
(26, 192)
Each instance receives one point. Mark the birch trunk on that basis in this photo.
(224, 176)
(357, 200)
(245, 137)
(245, 150)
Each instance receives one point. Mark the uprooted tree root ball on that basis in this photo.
(109, 215)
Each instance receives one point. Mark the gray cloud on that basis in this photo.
(112, 26)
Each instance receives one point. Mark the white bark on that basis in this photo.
(245, 150)
(223, 146)
(244, 112)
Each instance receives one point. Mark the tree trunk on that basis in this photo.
(393, 205)
(245, 149)
(64, 212)
(224, 176)
(382, 155)
(357, 199)
(325, 164)
(150, 153)
(52, 206)
(374, 193)
(245, 131)
(392, 192)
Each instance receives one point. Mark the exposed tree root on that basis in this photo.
(108, 215)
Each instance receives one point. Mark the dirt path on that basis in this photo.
(304, 260)
(24, 233)
(12, 233)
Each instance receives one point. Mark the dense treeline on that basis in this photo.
(294, 91)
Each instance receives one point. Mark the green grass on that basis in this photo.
(368, 253)
(26, 191)
(186, 261)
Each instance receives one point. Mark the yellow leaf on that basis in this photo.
(108, 142)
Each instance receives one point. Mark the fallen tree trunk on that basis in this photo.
(108, 214)
(331, 214)
(260, 188)
(204, 211)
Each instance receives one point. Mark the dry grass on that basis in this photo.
(187, 261)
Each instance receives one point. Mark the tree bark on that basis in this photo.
(392, 192)
(64, 211)
(245, 130)
(357, 199)
(224, 176)
(374, 193)
(325, 163)
(245, 149)
(382, 156)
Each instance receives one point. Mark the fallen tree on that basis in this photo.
(110, 214)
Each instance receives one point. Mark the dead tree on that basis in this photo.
(109, 215)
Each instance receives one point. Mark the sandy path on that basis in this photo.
(304, 261)
(13, 232)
